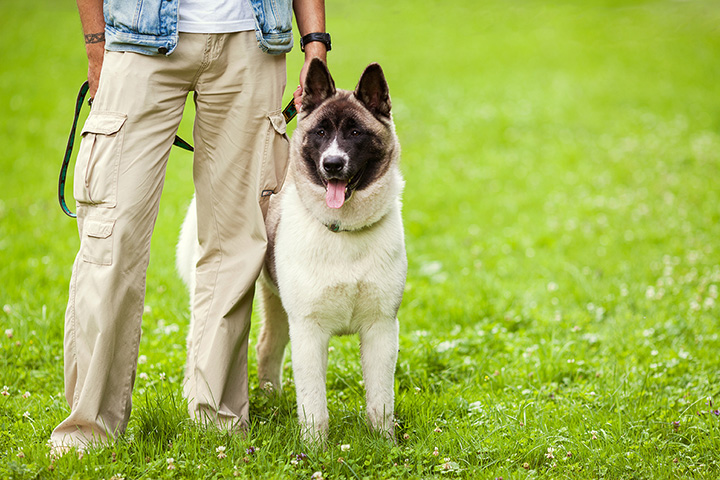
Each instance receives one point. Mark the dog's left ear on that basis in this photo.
(372, 90)
(319, 85)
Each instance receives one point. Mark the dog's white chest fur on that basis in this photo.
(343, 281)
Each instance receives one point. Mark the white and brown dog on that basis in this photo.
(336, 260)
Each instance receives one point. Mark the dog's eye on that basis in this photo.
(355, 132)
(320, 133)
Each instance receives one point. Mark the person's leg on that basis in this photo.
(118, 180)
(240, 158)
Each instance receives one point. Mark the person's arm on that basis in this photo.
(93, 24)
(310, 17)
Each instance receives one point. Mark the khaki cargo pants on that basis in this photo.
(240, 158)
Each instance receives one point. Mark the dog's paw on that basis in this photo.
(386, 433)
(314, 438)
(315, 434)
(382, 423)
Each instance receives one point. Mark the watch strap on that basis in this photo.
(315, 37)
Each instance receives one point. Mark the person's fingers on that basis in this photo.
(297, 97)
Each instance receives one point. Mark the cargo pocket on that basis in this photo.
(275, 157)
(96, 168)
(97, 242)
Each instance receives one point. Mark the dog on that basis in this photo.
(336, 261)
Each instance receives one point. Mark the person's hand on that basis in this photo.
(297, 97)
(312, 50)
(95, 54)
(297, 94)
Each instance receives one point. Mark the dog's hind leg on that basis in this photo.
(273, 338)
(378, 352)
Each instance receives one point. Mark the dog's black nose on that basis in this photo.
(333, 164)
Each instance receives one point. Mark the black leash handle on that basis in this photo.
(71, 141)
(68, 150)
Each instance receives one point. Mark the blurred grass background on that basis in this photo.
(562, 213)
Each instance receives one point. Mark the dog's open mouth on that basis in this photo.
(338, 190)
(335, 195)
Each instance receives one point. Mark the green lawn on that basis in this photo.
(562, 215)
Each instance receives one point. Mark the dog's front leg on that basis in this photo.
(379, 351)
(309, 345)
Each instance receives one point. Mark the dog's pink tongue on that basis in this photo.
(335, 196)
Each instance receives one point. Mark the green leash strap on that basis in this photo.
(71, 141)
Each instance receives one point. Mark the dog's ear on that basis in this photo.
(372, 90)
(319, 85)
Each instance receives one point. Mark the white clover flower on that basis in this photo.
(549, 453)
(345, 447)
(475, 407)
(9, 333)
(221, 451)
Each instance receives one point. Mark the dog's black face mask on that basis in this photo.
(345, 148)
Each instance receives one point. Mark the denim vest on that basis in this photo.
(150, 26)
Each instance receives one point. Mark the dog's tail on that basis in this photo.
(186, 252)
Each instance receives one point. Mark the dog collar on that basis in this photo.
(335, 227)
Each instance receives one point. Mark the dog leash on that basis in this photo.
(71, 140)
(288, 113)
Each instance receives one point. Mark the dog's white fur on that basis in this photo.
(329, 283)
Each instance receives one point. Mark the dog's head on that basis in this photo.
(348, 137)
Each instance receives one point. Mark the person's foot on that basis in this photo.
(59, 450)
(76, 441)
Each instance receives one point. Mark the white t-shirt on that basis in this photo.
(219, 16)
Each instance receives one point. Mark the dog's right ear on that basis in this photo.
(319, 85)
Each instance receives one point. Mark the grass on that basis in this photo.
(560, 319)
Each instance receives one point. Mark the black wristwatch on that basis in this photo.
(315, 37)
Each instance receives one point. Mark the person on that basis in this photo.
(144, 57)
